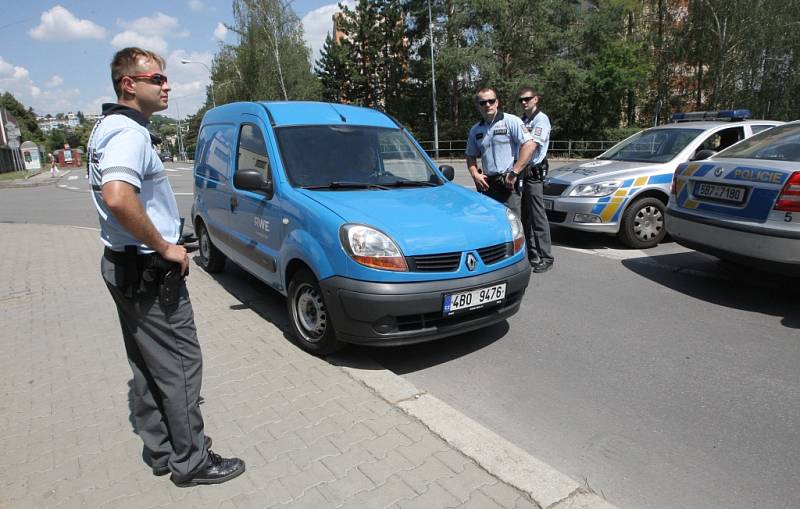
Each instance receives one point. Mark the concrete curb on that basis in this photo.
(546, 486)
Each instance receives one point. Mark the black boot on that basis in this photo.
(216, 471)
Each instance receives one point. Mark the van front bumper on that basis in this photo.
(390, 314)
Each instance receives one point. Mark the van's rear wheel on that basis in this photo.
(211, 258)
(643, 223)
(308, 315)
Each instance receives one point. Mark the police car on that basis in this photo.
(625, 190)
(743, 204)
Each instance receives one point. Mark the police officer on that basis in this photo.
(505, 148)
(145, 270)
(534, 217)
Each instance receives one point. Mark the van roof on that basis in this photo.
(287, 113)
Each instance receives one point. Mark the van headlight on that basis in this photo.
(596, 189)
(516, 230)
(371, 248)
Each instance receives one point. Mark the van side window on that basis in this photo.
(213, 153)
(252, 151)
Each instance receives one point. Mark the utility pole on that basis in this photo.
(433, 86)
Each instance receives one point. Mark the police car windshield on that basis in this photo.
(780, 143)
(315, 156)
(652, 145)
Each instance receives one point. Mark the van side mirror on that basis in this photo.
(703, 154)
(253, 180)
(448, 171)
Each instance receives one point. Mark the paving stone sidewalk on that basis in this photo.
(311, 435)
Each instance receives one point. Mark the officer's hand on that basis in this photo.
(177, 254)
(481, 182)
(511, 179)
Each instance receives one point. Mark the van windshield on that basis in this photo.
(352, 157)
(652, 145)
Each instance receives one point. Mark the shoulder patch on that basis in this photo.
(537, 131)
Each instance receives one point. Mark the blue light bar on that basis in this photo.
(739, 114)
(734, 114)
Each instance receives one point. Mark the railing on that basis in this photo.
(558, 149)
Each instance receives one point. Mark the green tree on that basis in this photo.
(271, 60)
(333, 71)
(29, 129)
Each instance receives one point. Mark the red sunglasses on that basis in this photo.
(154, 78)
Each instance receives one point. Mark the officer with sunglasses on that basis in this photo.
(504, 146)
(144, 269)
(534, 216)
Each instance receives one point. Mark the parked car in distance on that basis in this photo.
(743, 204)
(165, 157)
(339, 209)
(624, 191)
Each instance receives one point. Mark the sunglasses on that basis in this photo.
(525, 99)
(154, 78)
(487, 101)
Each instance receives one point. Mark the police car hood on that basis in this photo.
(424, 220)
(596, 170)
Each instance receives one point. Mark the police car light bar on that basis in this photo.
(695, 116)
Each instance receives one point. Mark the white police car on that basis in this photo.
(743, 204)
(625, 190)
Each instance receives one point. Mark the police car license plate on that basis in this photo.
(474, 299)
(548, 204)
(731, 194)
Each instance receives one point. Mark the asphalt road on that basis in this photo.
(662, 378)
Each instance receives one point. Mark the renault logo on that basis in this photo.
(471, 261)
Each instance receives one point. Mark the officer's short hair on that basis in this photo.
(531, 90)
(126, 62)
(483, 91)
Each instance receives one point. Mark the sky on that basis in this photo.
(55, 56)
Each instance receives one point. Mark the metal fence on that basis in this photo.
(559, 149)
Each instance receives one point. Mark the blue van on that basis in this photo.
(339, 209)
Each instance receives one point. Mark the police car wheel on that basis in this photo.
(643, 223)
(211, 258)
(308, 315)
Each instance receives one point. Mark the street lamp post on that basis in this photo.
(433, 86)
(211, 81)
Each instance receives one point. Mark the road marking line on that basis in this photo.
(183, 194)
(73, 177)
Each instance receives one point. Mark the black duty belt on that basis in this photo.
(123, 257)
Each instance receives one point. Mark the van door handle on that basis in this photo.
(234, 203)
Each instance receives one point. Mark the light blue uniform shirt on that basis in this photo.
(120, 149)
(539, 129)
(498, 143)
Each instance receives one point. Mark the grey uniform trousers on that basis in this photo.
(164, 355)
(534, 221)
(511, 198)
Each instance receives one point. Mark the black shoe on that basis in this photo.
(216, 471)
(542, 266)
(159, 471)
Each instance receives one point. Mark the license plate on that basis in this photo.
(474, 299)
(731, 194)
(548, 204)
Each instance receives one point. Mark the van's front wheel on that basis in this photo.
(308, 315)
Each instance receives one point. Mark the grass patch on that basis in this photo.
(14, 175)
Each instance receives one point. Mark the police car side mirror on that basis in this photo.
(448, 171)
(253, 180)
(703, 154)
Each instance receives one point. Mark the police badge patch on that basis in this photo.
(537, 131)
